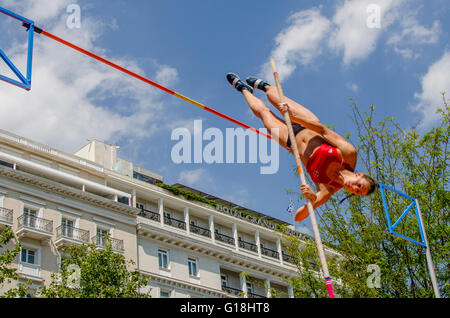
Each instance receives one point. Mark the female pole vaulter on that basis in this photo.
(329, 159)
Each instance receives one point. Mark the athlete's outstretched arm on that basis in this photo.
(320, 198)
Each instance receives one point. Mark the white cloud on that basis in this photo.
(192, 177)
(74, 97)
(299, 43)
(309, 34)
(166, 75)
(407, 53)
(353, 87)
(434, 82)
(412, 35)
(38, 10)
(351, 34)
(413, 32)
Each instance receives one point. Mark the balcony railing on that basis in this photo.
(224, 238)
(248, 246)
(232, 291)
(199, 230)
(253, 295)
(150, 215)
(101, 241)
(72, 233)
(270, 253)
(6, 215)
(288, 258)
(32, 222)
(174, 222)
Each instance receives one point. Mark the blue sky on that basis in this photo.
(324, 50)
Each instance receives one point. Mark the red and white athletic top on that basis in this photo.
(319, 162)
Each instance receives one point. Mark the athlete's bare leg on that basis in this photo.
(301, 111)
(275, 126)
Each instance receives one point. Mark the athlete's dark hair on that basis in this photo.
(373, 185)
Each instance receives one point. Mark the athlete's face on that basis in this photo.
(357, 184)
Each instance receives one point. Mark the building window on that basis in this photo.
(6, 164)
(29, 217)
(67, 227)
(193, 268)
(249, 288)
(224, 280)
(142, 177)
(28, 256)
(140, 206)
(123, 200)
(102, 234)
(164, 294)
(163, 259)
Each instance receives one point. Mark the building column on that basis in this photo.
(211, 228)
(268, 293)
(133, 198)
(161, 210)
(186, 220)
(243, 281)
(290, 291)
(258, 243)
(280, 251)
(235, 236)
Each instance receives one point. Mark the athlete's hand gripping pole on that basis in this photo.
(285, 109)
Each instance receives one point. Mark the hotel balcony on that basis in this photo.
(248, 246)
(199, 230)
(288, 258)
(6, 217)
(101, 241)
(270, 253)
(253, 295)
(150, 215)
(232, 291)
(174, 222)
(67, 236)
(224, 238)
(34, 227)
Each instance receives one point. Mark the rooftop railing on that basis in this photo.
(199, 230)
(248, 246)
(174, 222)
(150, 215)
(270, 253)
(224, 238)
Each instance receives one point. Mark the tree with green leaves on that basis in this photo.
(412, 161)
(88, 271)
(8, 273)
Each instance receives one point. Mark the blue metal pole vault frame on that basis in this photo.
(414, 204)
(423, 235)
(25, 81)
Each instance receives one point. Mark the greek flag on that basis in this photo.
(290, 209)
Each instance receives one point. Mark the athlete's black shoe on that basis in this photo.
(257, 83)
(236, 82)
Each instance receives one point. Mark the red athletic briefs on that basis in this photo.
(319, 162)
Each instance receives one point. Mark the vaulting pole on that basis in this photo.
(318, 240)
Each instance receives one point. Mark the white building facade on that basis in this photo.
(188, 248)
